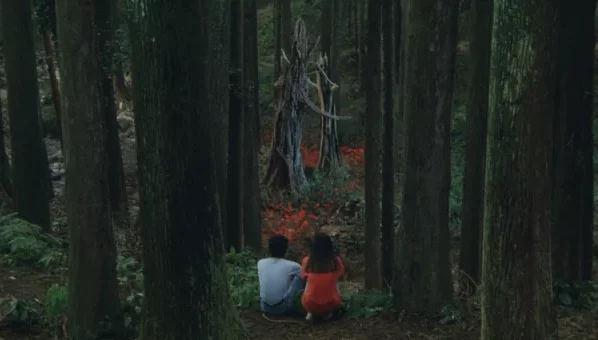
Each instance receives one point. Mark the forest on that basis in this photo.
(151, 149)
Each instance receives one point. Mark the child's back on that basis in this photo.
(275, 277)
(321, 292)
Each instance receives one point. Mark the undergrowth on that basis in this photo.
(25, 244)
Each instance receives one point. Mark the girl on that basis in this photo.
(322, 269)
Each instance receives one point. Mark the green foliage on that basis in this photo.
(17, 313)
(582, 294)
(243, 279)
(55, 307)
(24, 244)
(367, 304)
(336, 187)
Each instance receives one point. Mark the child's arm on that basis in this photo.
(304, 273)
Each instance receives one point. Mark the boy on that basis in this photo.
(280, 280)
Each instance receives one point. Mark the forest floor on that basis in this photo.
(32, 285)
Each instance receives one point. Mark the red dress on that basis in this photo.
(321, 295)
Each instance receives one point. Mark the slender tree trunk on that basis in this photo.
(30, 172)
(252, 219)
(234, 233)
(330, 155)
(282, 32)
(186, 290)
(388, 154)
(373, 148)
(516, 263)
(363, 33)
(480, 37)
(398, 23)
(218, 72)
(5, 182)
(85, 65)
(54, 85)
(423, 280)
(573, 195)
(116, 174)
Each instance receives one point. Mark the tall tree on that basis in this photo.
(573, 195)
(218, 74)
(85, 64)
(516, 264)
(252, 219)
(4, 164)
(423, 273)
(328, 80)
(30, 172)
(282, 32)
(186, 291)
(234, 231)
(388, 144)
(480, 36)
(373, 148)
(116, 173)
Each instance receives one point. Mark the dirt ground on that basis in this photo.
(574, 324)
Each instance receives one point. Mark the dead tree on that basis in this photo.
(330, 155)
(285, 166)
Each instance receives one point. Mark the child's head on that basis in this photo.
(278, 246)
(322, 258)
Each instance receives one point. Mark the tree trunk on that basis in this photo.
(5, 184)
(55, 87)
(362, 46)
(373, 148)
(573, 195)
(285, 166)
(388, 159)
(30, 172)
(398, 28)
(480, 37)
(423, 280)
(282, 32)
(116, 174)
(234, 207)
(85, 64)
(217, 64)
(252, 219)
(516, 263)
(186, 293)
(330, 156)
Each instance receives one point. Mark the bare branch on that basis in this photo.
(312, 106)
(284, 57)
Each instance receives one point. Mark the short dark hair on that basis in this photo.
(278, 245)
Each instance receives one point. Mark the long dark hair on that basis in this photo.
(322, 258)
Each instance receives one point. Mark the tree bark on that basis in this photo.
(573, 195)
(331, 21)
(423, 280)
(388, 148)
(217, 64)
(5, 182)
(85, 64)
(54, 85)
(252, 219)
(186, 288)
(472, 213)
(234, 207)
(373, 148)
(282, 32)
(30, 172)
(285, 165)
(516, 267)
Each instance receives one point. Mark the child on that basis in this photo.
(280, 280)
(322, 269)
